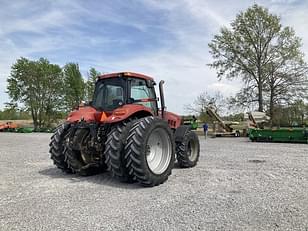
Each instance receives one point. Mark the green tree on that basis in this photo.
(288, 84)
(36, 85)
(13, 112)
(90, 84)
(295, 114)
(256, 48)
(74, 86)
(234, 117)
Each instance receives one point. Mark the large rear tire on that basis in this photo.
(150, 151)
(114, 151)
(57, 147)
(81, 161)
(188, 150)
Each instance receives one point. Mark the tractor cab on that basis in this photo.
(112, 92)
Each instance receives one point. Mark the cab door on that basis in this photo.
(140, 93)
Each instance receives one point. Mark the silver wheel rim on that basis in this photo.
(192, 150)
(158, 153)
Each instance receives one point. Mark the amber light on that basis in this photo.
(103, 117)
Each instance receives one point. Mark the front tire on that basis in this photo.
(188, 150)
(57, 147)
(150, 151)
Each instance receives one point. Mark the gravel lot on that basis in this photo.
(237, 185)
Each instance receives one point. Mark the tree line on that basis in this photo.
(45, 90)
(294, 113)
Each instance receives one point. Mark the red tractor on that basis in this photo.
(124, 131)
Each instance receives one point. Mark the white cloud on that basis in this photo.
(226, 89)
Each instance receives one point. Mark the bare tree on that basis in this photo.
(203, 101)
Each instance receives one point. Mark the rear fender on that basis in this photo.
(127, 111)
(174, 121)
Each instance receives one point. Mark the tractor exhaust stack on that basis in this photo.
(162, 97)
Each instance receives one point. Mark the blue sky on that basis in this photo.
(164, 39)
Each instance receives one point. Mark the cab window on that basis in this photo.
(109, 94)
(139, 90)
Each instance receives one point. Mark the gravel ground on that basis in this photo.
(237, 185)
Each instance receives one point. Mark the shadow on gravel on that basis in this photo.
(101, 179)
(176, 166)
(257, 161)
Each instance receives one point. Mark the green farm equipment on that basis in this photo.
(286, 135)
(191, 121)
(24, 130)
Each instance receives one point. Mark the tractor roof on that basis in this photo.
(125, 74)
